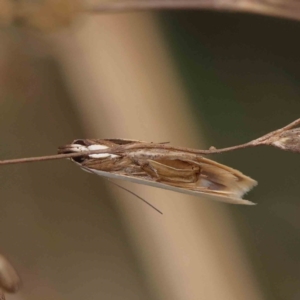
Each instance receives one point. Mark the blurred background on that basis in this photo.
(192, 78)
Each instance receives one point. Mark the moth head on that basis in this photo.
(83, 146)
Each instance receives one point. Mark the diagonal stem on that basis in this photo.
(123, 148)
(285, 9)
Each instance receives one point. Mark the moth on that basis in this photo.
(161, 166)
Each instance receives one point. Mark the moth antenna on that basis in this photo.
(121, 187)
(134, 194)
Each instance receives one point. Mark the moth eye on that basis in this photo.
(79, 160)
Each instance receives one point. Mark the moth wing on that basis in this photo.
(233, 180)
(167, 173)
(216, 196)
(200, 174)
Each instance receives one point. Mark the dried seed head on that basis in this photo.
(9, 279)
(288, 140)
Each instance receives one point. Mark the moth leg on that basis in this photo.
(135, 174)
(107, 164)
(166, 173)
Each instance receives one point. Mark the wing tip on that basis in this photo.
(247, 202)
(238, 201)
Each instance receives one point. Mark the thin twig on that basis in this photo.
(120, 149)
(48, 157)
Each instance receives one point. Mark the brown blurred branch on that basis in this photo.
(280, 8)
(9, 278)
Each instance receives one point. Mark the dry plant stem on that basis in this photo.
(257, 142)
(282, 8)
(140, 5)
